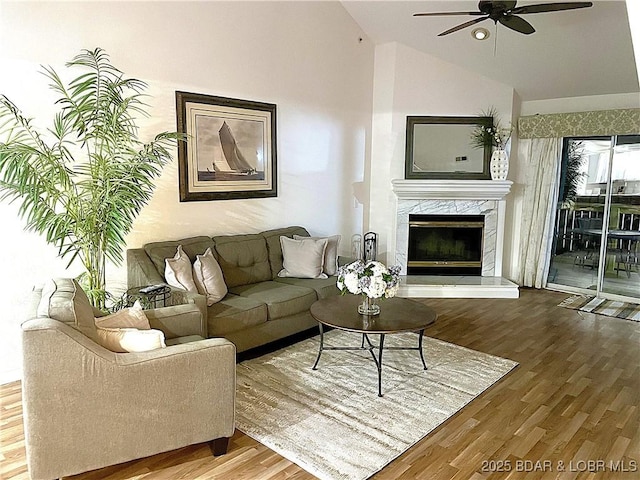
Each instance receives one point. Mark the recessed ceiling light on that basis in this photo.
(480, 33)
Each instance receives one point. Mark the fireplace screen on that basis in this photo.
(445, 245)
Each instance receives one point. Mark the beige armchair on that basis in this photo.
(86, 407)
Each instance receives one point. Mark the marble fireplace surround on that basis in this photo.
(455, 197)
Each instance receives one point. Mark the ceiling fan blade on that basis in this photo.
(440, 14)
(461, 26)
(551, 7)
(489, 6)
(516, 23)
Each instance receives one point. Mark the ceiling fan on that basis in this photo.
(507, 14)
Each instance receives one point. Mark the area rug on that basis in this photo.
(331, 422)
(611, 308)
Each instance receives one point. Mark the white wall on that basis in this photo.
(309, 58)
(409, 82)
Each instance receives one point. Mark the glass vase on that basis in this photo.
(369, 306)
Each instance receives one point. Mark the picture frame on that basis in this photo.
(441, 148)
(229, 150)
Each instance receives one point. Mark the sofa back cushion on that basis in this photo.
(274, 248)
(192, 246)
(64, 300)
(243, 259)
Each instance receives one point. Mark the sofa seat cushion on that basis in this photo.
(243, 259)
(234, 313)
(324, 287)
(281, 299)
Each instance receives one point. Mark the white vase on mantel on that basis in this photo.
(499, 165)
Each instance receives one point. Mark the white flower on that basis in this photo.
(351, 282)
(372, 279)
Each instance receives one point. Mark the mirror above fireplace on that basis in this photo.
(441, 147)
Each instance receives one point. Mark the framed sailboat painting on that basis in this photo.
(230, 148)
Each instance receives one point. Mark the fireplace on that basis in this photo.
(453, 198)
(445, 245)
(463, 200)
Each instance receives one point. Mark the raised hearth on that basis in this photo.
(454, 198)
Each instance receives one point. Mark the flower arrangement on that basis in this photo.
(494, 135)
(372, 279)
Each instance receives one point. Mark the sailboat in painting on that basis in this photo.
(232, 153)
(232, 164)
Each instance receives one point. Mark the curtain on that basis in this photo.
(540, 147)
(542, 157)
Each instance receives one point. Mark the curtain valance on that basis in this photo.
(579, 124)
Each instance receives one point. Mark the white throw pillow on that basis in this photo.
(132, 317)
(330, 254)
(122, 340)
(302, 258)
(178, 272)
(208, 277)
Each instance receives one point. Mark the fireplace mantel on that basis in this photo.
(455, 197)
(451, 189)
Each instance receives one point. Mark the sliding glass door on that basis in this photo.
(597, 231)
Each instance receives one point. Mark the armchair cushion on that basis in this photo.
(64, 300)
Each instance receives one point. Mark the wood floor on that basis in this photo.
(570, 410)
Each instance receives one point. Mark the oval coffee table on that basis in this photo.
(396, 315)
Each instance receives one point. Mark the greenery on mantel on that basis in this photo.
(494, 136)
(82, 182)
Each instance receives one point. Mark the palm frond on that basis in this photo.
(83, 191)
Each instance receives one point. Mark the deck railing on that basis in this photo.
(569, 221)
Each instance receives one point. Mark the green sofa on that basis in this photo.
(260, 307)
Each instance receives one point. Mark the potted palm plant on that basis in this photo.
(81, 183)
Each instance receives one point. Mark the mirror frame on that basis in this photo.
(412, 121)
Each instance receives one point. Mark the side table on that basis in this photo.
(154, 299)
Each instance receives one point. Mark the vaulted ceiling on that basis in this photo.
(572, 53)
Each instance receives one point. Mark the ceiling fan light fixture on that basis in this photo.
(480, 33)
